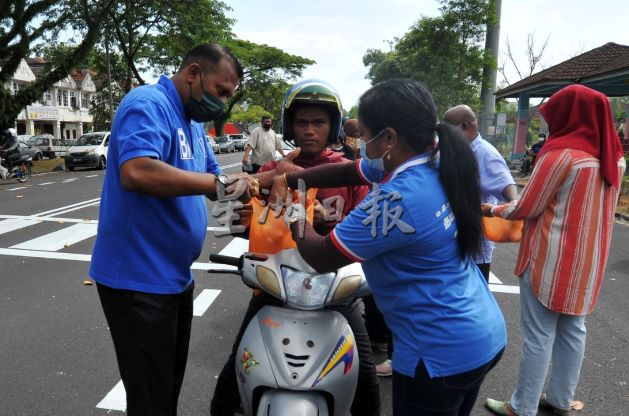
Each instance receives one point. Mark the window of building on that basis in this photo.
(48, 97)
(73, 102)
(59, 99)
(84, 100)
(63, 98)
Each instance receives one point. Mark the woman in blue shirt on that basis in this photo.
(415, 235)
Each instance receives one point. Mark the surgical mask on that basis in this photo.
(377, 164)
(208, 109)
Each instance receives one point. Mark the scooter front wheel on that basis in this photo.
(291, 403)
(23, 173)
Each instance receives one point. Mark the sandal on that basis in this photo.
(554, 409)
(499, 407)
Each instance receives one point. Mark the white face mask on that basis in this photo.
(377, 164)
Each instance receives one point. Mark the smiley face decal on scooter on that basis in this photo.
(248, 361)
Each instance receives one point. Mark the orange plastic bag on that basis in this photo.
(500, 230)
(268, 234)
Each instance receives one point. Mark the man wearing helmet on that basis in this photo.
(9, 148)
(311, 118)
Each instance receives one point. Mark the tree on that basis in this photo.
(153, 35)
(22, 24)
(247, 116)
(533, 60)
(444, 53)
(353, 112)
(264, 67)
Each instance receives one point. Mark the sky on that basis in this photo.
(336, 34)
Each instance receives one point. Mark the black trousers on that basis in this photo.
(367, 398)
(453, 395)
(151, 334)
(484, 269)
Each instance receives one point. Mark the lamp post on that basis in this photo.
(111, 100)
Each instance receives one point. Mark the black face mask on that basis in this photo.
(208, 109)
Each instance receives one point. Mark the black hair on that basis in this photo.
(408, 108)
(208, 56)
(266, 117)
(541, 134)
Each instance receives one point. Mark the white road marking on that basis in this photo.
(494, 279)
(504, 289)
(233, 165)
(59, 239)
(78, 208)
(69, 180)
(46, 183)
(42, 219)
(18, 188)
(50, 213)
(15, 224)
(218, 229)
(204, 300)
(44, 254)
(236, 247)
(116, 399)
(91, 176)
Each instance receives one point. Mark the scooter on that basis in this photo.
(20, 170)
(299, 359)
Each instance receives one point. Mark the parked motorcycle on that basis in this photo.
(299, 359)
(20, 169)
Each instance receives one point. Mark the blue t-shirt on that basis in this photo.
(146, 243)
(436, 303)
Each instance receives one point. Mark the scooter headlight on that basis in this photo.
(306, 289)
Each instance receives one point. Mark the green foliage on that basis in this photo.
(353, 112)
(248, 116)
(23, 24)
(153, 35)
(267, 71)
(444, 53)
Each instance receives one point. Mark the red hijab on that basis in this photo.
(580, 118)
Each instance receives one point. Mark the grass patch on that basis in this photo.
(47, 165)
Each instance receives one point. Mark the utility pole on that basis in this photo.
(111, 99)
(492, 44)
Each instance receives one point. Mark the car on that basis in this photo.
(89, 151)
(240, 141)
(226, 145)
(215, 147)
(49, 145)
(32, 151)
(24, 138)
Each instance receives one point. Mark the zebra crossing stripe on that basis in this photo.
(57, 240)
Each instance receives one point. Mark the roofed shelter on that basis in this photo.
(605, 69)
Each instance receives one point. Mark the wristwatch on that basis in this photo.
(223, 179)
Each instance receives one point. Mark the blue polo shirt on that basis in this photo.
(436, 303)
(145, 243)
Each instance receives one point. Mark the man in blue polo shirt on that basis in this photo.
(153, 219)
(496, 182)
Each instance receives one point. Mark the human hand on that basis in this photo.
(242, 185)
(279, 189)
(319, 213)
(245, 213)
(486, 210)
(287, 164)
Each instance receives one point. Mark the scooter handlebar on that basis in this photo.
(231, 261)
